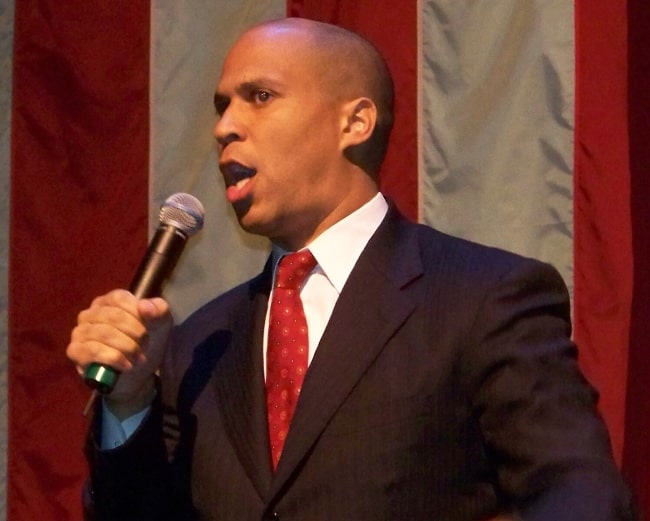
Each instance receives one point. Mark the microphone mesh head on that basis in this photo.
(184, 212)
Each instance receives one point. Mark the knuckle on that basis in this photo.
(114, 315)
(82, 316)
(71, 350)
(79, 333)
(122, 297)
(114, 357)
(131, 348)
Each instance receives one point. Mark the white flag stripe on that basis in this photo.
(185, 68)
(496, 129)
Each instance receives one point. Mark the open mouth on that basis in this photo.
(237, 177)
(235, 174)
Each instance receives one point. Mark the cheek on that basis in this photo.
(295, 144)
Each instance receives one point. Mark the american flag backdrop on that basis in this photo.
(520, 123)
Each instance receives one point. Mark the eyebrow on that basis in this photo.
(222, 100)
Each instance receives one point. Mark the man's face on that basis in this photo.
(279, 137)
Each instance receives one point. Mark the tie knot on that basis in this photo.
(293, 269)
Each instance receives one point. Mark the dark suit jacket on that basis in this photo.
(445, 387)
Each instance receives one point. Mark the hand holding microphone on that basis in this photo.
(111, 330)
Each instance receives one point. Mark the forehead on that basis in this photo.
(279, 56)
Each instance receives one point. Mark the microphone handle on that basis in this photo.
(158, 263)
(155, 268)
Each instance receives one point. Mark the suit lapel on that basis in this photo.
(239, 384)
(375, 295)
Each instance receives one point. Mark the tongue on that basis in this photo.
(238, 192)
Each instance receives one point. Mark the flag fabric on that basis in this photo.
(6, 37)
(519, 124)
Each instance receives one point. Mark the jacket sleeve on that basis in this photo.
(537, 412)
(138, 480)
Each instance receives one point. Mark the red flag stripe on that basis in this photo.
(79, 194)
(602, 226)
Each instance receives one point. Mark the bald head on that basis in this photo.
(348, 67)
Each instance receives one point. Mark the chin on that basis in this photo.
(253, 225)
(255, 220)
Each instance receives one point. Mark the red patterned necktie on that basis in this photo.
(287, 348)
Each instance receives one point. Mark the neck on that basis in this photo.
(304, 235)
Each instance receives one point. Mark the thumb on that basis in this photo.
(155, 315)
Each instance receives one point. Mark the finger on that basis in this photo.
(118, 298)
(105, 345)
(153, 310)
(156, 316)
(113, 317)
(125, 339)
(86, 353)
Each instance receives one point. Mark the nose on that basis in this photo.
(227, 128)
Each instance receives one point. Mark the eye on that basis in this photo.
(221, 108)
(221, 104)
(261, 96)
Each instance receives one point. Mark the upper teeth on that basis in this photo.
(242, 182)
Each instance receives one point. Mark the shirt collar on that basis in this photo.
(338, 248)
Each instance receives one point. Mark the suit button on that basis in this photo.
(272, 517)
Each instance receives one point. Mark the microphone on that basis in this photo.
(181, 216)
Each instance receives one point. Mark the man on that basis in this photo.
(440, 380)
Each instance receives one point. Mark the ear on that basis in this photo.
(358, 123)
